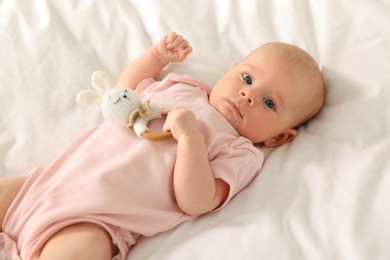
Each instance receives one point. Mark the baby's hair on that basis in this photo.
(316, 92)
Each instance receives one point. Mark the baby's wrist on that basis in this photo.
(157, 54)
(193, 137)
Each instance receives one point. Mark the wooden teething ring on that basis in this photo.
(152, 136)
(140, 118)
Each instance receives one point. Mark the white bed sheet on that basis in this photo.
(324, 196)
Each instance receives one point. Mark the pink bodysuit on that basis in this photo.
(111, 177)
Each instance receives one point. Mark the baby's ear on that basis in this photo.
(281, 139)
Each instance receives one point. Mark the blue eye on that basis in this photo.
(247, 79)
(269, 103)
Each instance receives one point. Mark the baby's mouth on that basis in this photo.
(235, 108)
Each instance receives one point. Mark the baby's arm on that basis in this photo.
(171, 48)
(9, 188)
(196, 189)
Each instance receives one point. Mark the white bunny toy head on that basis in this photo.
(118, 104)
(122, 106)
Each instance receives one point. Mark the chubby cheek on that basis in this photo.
(226, 85)
(212, 98)
(256, 135)
(217, 98)
(258, 129)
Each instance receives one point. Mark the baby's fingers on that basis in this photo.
(184, 52)
(166, 110)
(170, 37)
(175, 41)
(173, 47)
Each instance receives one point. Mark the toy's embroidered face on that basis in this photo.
(120, 95)
(118, 103)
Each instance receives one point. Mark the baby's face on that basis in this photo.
(259, 96)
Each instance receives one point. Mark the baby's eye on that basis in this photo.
(269, 103)
(247, 79)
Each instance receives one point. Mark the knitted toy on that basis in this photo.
(122, 106)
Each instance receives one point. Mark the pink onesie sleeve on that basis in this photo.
(237, 166)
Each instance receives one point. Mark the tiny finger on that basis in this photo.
(170, 37)
(184, 52)
(166, 110)
(176, 42)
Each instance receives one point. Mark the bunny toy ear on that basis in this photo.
(101, 81)
(88, 97)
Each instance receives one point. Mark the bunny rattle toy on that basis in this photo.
(122, 106)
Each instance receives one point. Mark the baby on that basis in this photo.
(109, 186)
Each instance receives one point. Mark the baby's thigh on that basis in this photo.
(9, 188)
(79, 241)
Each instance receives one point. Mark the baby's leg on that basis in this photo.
(79, 241)
(9, 188)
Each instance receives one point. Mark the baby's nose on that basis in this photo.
(247, 95)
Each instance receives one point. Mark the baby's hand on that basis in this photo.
(172, 48)
(181, 122)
